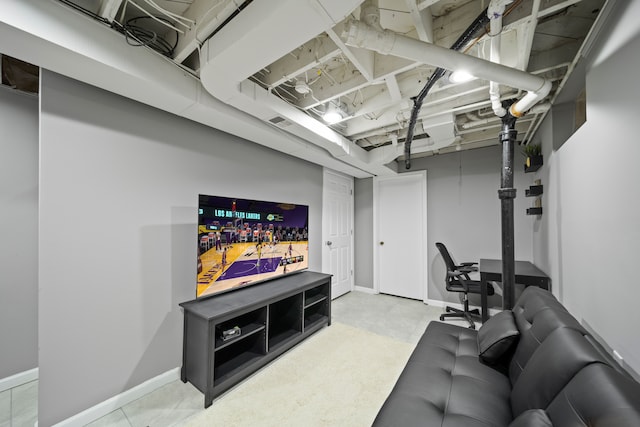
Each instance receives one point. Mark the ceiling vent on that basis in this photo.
(279, 121)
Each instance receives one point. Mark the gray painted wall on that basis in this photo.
(118, 233)
(19, 231)
(464, 211)
(464, 214)
(363, 232)
(589, 236)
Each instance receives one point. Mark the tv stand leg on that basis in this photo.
(208, 400)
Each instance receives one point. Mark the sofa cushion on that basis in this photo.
(557, 360)
(598, 396)
(537, 314)
(532, 418)
(556, 377)
(445, 384)
(496, 336)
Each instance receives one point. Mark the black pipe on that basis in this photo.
(479, 23)
(506, 194)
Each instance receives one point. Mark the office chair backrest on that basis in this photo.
(451, 266)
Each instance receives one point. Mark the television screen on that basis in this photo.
(242, 242)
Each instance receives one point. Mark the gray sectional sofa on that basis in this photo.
(533, 366)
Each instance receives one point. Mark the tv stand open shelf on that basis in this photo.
(272, 317)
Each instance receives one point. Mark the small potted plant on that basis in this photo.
(533, 152)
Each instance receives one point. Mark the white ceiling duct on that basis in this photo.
(57, 38)
(270, 31)
(257, 37)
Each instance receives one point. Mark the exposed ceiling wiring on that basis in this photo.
(375, 88)
(164, 21)
(137, 35)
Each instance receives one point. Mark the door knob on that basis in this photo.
(381, 243)
(329, 242)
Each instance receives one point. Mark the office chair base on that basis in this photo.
(457, 310)
(468, 315)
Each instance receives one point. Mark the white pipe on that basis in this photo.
(495, 12)
(536, 109)
(530, 99)
(387, 42)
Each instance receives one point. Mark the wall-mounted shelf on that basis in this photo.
(533, 191)
(533, 163)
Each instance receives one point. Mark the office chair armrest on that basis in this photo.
(461, 276)
(468, 267)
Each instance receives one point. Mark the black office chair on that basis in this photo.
(457, 280)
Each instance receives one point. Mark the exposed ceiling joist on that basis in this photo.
(282, 63)
(109, 8)
(423, 21)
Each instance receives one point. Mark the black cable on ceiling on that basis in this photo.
(85, 11)
(136, 35)
(478, 24)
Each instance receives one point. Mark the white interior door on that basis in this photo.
(400, 235)
(337, 231)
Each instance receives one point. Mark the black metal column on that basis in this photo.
(507, 193)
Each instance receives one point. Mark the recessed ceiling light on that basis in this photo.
(461, 76)
(333, 114)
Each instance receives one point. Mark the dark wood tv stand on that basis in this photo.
(272, 316)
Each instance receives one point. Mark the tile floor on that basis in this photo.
(401, 318)
(19, 406)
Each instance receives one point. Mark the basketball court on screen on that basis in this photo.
(237, 264)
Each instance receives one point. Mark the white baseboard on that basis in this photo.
(118, 401)
(18, 379)
(438, 303)
(365, 290)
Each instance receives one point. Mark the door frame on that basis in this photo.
(422, 175)
(325, 250)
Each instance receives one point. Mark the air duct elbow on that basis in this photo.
(359, 34)
(370, 13)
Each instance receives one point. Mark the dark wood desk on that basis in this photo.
(526, 274)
